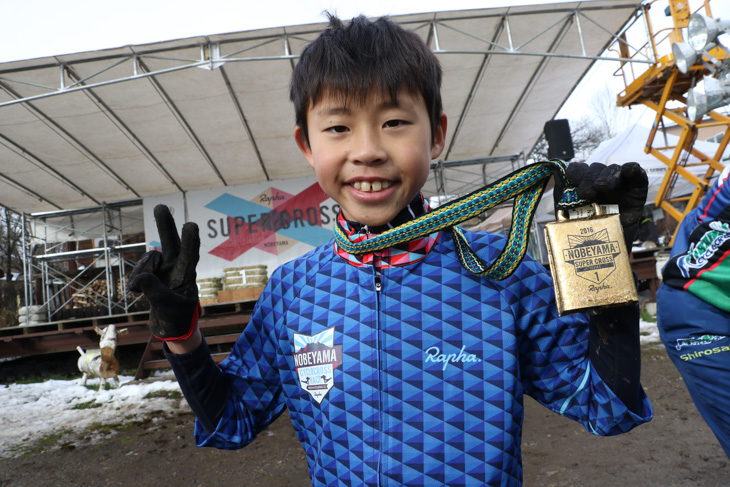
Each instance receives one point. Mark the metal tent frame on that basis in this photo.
(88, 133)
(105, 263)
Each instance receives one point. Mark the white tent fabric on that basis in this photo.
(626, 147)
(629, 147)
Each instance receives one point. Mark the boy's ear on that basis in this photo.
(439, 138)
(303, 145)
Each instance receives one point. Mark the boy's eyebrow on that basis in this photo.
(333, 110)
(345, 110)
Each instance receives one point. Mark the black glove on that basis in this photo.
(167, 279)
(625, 185)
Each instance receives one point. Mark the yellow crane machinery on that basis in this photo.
(683, 54)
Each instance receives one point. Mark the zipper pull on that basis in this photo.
(377, 283)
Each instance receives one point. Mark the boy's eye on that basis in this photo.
(393, 123)
(337, 129)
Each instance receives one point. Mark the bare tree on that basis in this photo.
(11, 236)
(605, 114)
(11, 242)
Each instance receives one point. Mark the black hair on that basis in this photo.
(356, 59)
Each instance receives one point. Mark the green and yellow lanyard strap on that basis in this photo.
(526, 185)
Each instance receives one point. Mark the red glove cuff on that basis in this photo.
(193, 324)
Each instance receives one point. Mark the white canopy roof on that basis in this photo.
(81, 130)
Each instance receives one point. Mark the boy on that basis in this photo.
(398, 367)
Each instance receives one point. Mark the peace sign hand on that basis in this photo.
(167, 279)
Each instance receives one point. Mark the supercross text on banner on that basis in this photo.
(268, 223)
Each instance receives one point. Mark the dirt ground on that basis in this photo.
(675, 449)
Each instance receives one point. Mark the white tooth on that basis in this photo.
(376, 186)
(365, 186)
(356, 185)
(385, 184)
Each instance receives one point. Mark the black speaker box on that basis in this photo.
(560, 143)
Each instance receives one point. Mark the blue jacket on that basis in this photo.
(419, 383)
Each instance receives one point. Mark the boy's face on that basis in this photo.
(371, 158)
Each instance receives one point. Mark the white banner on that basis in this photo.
(267, 223)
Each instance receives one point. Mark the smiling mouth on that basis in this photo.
(371, 186)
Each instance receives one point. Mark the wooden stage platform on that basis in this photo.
(220, 322)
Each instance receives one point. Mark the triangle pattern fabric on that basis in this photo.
(420, 383)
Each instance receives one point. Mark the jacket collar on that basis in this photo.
(398, 255)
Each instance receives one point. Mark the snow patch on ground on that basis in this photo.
(30, 412)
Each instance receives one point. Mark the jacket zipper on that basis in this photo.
(378, 287)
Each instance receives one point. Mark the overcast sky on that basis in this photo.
(39, 28)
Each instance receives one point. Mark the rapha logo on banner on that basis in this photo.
(592, 256)
(272, 221)
(316, 357)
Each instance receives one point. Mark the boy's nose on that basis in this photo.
(367, 148)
